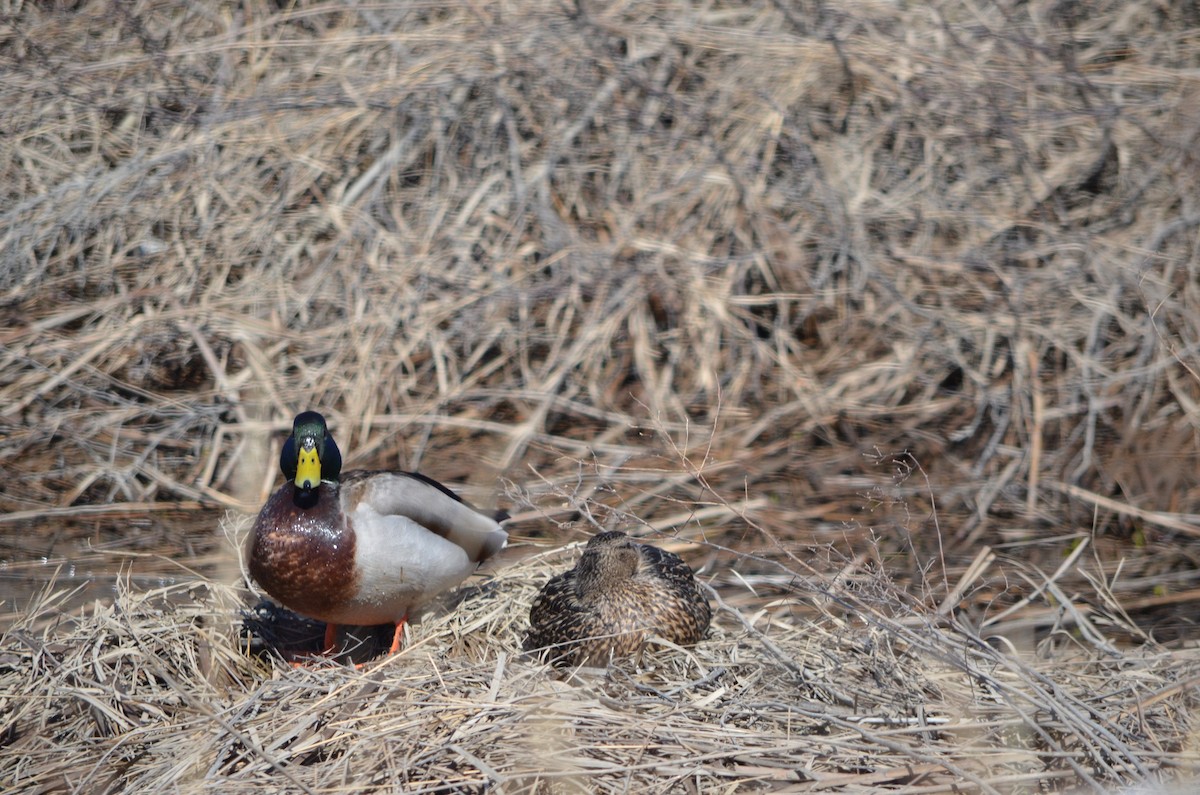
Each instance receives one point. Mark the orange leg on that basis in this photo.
(301, 659)
(399, 636)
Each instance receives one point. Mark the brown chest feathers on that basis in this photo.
(618, 595)
(303, 555)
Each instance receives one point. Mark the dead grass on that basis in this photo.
(885, 314)
(154, 692)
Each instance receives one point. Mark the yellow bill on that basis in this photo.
(308, 468)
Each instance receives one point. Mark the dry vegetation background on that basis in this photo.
(884, 314)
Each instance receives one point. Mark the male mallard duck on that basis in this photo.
(361, 547)
(620, 593)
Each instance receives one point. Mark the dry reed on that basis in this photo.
(885, 314)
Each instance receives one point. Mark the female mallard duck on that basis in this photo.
(619, 594)
(361, 547)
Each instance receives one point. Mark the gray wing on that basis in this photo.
(431, 505)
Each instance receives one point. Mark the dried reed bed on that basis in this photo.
(882, 298)
(157, 691)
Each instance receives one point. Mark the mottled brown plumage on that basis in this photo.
(618, 595)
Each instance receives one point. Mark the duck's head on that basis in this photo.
(609, 559)
(310, 455)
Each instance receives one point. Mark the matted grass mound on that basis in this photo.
(886, 315)
(157, 692)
